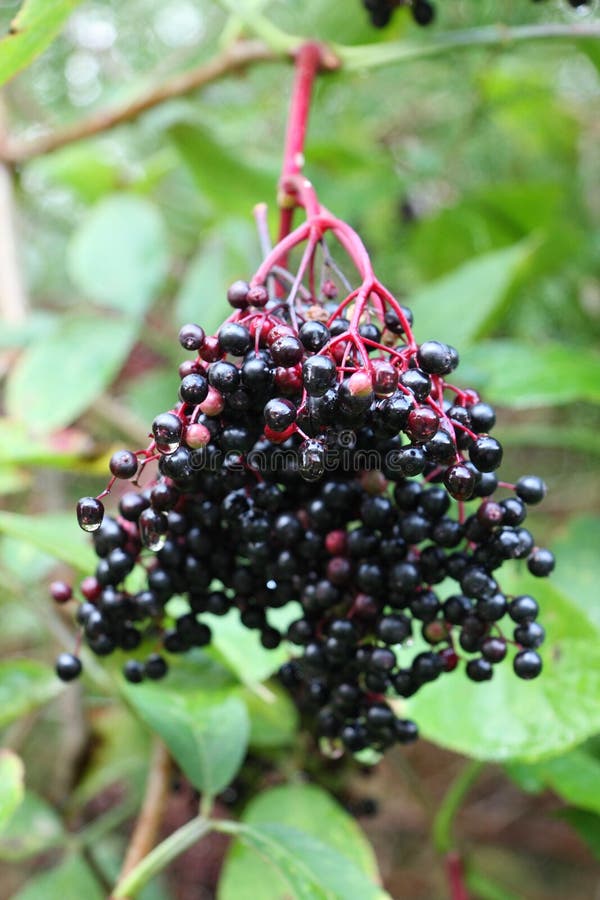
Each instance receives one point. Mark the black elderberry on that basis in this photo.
(423, 12)
(237, 294)
(479, 669)
(530, 634)
(90, 513)
(419, 383)
(68, 667)
(314, 335)
(132, 504)
(460, 481)
(436, 358)
(279, 414)
(394, 629)
(523, 609)
(493, 649)
(527, 664)
(234, 339)
(224, 376)
(191, 337)
(167, 429)
(485, 453)
(193, 389)
(123, 464)
(530, 489)
(541, 562)
(319, 374)
(287, 351)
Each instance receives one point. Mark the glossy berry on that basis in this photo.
(279, 414)
(234, 339)
(314, 335)
(541, 562)
(123, 464)
(90, 513)
(237, 294)
(193, 389)
(527, 664)
(68, 667)
(530, 489)
(191, 337)
(61, 592)
(485, 453)
(436, 358)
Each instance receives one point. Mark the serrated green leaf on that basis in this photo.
(24, 685)
(33, 828)
(461, 306)
(34, 27)
(520, 375)
(200, 718)
(301, 867)
(118, 256)
(57, 379)
(12, 785)
(71, 878)
(55, 533)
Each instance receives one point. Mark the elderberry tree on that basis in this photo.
(316, 542)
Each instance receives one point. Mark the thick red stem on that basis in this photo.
(308, 63)
(456, 877)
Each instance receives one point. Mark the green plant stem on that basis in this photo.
(370, 56)
(159, 858)
(443, 837)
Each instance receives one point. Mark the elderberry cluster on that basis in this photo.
(423, 11)
(317, 455)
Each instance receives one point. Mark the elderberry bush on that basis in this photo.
(317, 454)
(423, 11)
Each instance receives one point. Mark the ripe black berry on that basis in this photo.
(527, 664)
(90, 513)
(68, 667)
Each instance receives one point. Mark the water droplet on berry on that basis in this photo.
(312, 460)
(90, 513)
(153, 529)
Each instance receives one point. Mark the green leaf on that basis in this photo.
(33, 828)
(55, 533)
(587, 826)
(226, 254)
(273, 717)
(507, 718)
(12, 785)
(34, 27)
(578, 573)
(24, 685)
(71, 878)
(82, 168)
(118, 256)
(231, 185)
(463, 305)
(200, 718)
(575, 777)
(57, 379)
(301, 867)
(240, 649)
(520, 375)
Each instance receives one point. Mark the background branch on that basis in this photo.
(233, 59)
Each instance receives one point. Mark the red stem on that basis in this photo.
(308, 62)
(456, 877)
